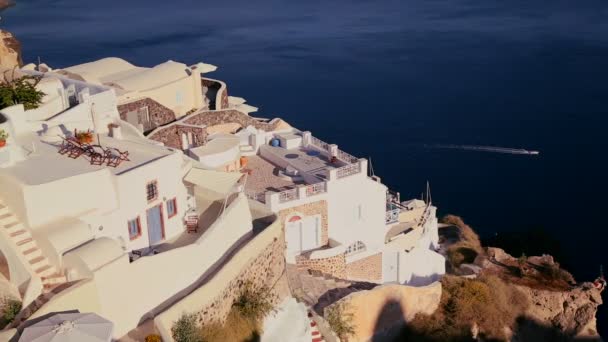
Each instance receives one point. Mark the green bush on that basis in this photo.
(459, 254)
(253, 303)
(340, 319)
(186, 329)
(21, 90)
(11, 309)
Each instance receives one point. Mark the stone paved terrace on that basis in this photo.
(303, 160)
(264, 177)
(319, 290)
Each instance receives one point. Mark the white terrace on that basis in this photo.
(301, 167)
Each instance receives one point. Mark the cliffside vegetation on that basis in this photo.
(20, 90)
(464, 245)
(486, 304)
(340, 319)
(243, 322)
(494, 296)
(9, 308)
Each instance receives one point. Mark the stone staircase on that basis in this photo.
(23, 241)
(315, 335)
(318, 290)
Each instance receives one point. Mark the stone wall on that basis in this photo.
(10, 50)
(366, 269)
(211, 118)
(171, 135)
(334, 266)
(267, 269)
(224, 97)
(309, 209)
(159, 114)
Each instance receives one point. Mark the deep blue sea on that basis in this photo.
(382, 79)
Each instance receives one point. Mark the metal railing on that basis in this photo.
(348, 170)
(392, 216)
(315, 189)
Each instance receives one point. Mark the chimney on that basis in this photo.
(115, 131)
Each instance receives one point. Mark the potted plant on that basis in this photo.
(84, 137)
(3, 137)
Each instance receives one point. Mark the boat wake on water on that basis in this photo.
(485, 149)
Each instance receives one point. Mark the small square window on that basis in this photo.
(152, 191)
(171, 208)
(134, 228)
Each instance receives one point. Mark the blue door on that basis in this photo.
(155, 225)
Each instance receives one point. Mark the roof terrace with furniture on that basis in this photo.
(296, 165)
(62, 156)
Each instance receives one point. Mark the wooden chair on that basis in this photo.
(192, 223)
(112, 159)
(96, 153)
(75, 150)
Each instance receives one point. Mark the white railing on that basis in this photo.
(256, 196)
(345, 157)
(288, 195)
(392, 216)
(315, 189)
(319, 143)
(348, 170)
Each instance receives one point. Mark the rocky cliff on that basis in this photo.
(556, 300)
(558, 307)
(379, 314)
(10, 50)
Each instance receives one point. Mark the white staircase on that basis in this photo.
(25, 243)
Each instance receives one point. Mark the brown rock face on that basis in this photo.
(10, 50)
(4, 4)
(572, 312)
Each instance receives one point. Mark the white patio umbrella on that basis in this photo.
(71, 327)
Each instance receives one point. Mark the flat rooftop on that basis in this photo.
(265, 177)
(44, 164)
(306, 160)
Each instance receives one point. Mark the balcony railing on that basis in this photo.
(315, 189)
(345, 157)
(288, 195)
(392, 216)
(319, 143)
(348, 170)
(257, 196)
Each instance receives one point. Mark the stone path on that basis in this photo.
(318, 290)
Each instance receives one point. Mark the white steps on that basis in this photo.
(22, 238)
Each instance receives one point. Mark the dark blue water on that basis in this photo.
(381, 78)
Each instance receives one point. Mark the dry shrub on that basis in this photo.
(458, 254)
(235, 328)
(153, 338)
(186, 329)
(340, 318)
(253, 302)
(488, 301)
(468, 237)
(553, 273)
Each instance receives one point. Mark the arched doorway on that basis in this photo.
(302, 233)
